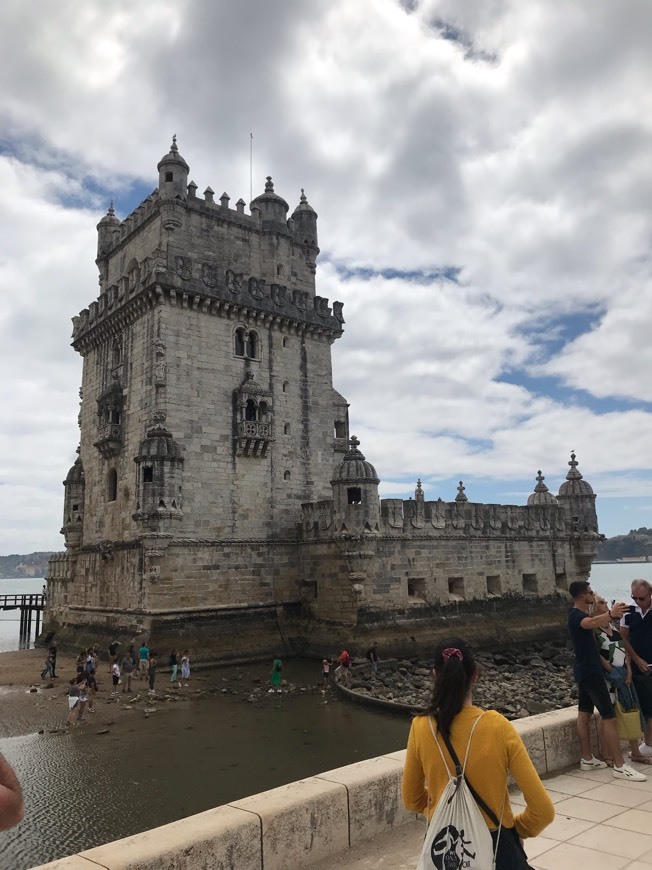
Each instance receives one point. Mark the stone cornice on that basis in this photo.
(292, 311)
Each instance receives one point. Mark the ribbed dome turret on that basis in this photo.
(305, 222)
(541, 494)
(575, 484)
(173, 158)
(354, 468)
(76, 473)
(272, 207)
(173, 174)
(110, 218)
(159, 444)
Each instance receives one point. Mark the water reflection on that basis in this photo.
(83, 789)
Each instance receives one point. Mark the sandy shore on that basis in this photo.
(31, 705)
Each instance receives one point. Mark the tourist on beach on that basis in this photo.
(143, 661)
(174, 665)
(127, 668)
(81, 661)
(48, 670)
(73, 702)
(12, 808)
(90, 663)
(495, 749)
(277, 675)
(636, 629)
(115, 676)
(152, 672)
(185, 666)
(83, 696)
(113, 652)
(592, 689)
(372, 655)
(618, 674)
(52, 649)
(91, 686)
(344, 667)
(325, 672)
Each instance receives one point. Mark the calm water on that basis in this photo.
(10, 619)
(83, 789)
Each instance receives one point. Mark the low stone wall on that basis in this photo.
(299, 824)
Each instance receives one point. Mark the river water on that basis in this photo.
(83, 789)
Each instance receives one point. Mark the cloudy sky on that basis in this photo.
(483, 181)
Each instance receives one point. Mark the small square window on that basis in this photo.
(494, 586)
(148, 474)
(169, 176)
(530, 583)
(456, 587)
(354, 495)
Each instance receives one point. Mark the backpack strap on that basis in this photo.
(460, 771)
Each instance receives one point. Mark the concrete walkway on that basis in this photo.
(602, 823)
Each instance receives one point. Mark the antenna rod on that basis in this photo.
(251, 167)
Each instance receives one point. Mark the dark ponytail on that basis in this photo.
(455, 668)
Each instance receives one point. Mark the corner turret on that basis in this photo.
(305, 223)
(173, 174)
(355, 493)
(272, 208)
(577, 496)
(108, 232)
(541, 494)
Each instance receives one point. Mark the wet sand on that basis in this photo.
(31, 705)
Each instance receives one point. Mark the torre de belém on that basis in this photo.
(218, 501)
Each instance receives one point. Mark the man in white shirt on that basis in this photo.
(636, 631)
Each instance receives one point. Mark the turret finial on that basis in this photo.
(461, 495)
(269, 185)
(173, 147)
(303, 197)
(573, 474)
(111, 210)
(418, 492)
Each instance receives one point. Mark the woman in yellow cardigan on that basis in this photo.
(495, 749)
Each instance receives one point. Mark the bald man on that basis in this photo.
(636, 631)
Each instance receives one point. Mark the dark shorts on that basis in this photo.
(643, 684)
(593, 692)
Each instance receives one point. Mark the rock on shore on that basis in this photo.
(514, 682)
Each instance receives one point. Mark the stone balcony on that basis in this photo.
(253, 438)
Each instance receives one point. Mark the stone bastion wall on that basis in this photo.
(296, 825)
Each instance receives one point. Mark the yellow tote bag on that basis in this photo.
(628, 722)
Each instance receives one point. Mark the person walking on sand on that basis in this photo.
(83, 697)
(73, 702)
(325, 672)
(344, 668)
(48, 670)
(91, 685)
(143, 661)
(174, 664)
(113, 652)
(185, 666)
(127, 668)
(277, 675)
(372, 655)
(52, 649)
(152, 672)
(115, 676)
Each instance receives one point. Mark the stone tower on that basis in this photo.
(208, 413)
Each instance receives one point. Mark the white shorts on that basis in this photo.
(72, 702)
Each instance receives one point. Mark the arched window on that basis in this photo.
(250, 410)
(239, 342)
(112, 485)
(286, 384)
(285, 341)
(279, 271)
(286, 475)
(116, 354)
(252, 345)
(286, 429)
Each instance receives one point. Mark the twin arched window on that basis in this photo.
(246, 343)
(256, 412)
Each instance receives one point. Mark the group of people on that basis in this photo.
(343, 663)
(613, 664)
(141, 664)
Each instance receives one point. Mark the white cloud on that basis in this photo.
(507, 139)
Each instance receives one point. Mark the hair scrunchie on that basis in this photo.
(452, 651)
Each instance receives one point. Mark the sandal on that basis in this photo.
(608, 761)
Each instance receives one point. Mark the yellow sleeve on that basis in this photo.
(413, 787)
(539, 810)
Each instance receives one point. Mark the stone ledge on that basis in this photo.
(296, 825)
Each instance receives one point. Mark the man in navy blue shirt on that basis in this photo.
(636, 631)
(592, 687)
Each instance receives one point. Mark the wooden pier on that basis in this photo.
(31, 608)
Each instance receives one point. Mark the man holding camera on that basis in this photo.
(636, 631)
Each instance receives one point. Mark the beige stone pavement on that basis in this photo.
(601, 823)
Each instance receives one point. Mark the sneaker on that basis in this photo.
(592, 764)
(644, 749)
(627, 772)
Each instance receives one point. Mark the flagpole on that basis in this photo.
(251, 167)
